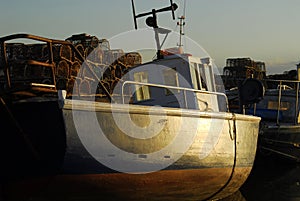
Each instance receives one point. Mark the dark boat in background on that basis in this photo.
(280, 126)
(84, 122)
(278, 107)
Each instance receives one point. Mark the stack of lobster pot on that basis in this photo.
(103, 67)
(94, 65)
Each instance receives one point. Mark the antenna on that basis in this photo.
(134, 15)
(181, 24)
(172, 7)
(151, 21)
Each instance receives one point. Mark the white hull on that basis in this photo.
(218, 148)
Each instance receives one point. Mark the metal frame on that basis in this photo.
(173, 87)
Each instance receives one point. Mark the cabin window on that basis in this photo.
(142, 91)
(171, 79)
(195, 76)
(202, 77)
(273, 105)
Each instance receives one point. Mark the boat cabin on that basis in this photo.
(181, 81)
(280, 105)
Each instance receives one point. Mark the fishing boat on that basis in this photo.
(277, 103)
(280, 126)
(100, 124)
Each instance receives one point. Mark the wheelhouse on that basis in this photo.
(175, 81)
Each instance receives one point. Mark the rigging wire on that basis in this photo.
(184, 7)
(184, 14)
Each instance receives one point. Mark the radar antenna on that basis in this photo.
(151, 21)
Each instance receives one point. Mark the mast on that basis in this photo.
(181, 24)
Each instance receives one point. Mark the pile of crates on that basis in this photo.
(76, 66)
(239, 69)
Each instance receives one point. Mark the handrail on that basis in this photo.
(297, 102)
(32, 37)
(49, 63)
(279, 102)
(173, 87)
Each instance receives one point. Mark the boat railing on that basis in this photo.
(8, 65)
(286, 85)
(184, 89)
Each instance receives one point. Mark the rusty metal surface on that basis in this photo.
(184, 185)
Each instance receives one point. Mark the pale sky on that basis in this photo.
(264, 30)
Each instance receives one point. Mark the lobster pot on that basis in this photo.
(107, 57)
(85, 71)
(132, 59)
(72, 87)
(116, 55)
(107, 75)
(100, 89)
(100, 69)
(94, 55)
(113, 72)
(84, 88)
(65, 52)
(110, 57)
(80, 49)
(2, 62)
(45, 53)
(75, 68)
(18, 70)
(62, 69)
(56, 52)
(36, 52)
(16, 51)
(113, 83)
(88, 51)
(119, 71)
